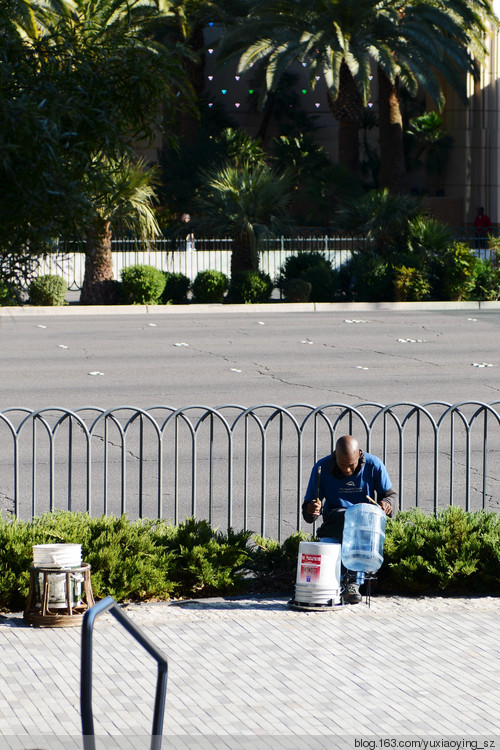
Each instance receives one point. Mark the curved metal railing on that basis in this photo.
(86, 662)
(243, 467)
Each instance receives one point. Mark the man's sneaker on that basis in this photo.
(351, 594)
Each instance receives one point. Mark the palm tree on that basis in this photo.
(124, 202)
(382, 217)
(409, 42)
(32, 18)
(247, 203)
(434, 40)
(335, 39)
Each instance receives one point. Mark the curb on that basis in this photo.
(277, 307)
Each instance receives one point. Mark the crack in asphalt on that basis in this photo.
(492, 387)
(117, 445)
(213, 354)
(382, 353)
(266, 372)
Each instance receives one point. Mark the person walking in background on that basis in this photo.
(348, 476)
(189, 246)
(482, 227)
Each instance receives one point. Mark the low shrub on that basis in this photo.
(176, 288)
(126, 564)
(313, 267)
(203, 561)
(250, 287)
(454, 552)
(366, 277)
(297, 290)
(142, 284)
(130, 560)
(9, 297)
(48, 291)
(453, 273)
(210, 286)
(487, 280)
(324, 283)
(410, 285)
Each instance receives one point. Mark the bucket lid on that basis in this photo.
(57, 554)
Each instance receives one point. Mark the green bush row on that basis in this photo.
(146, 285)
(452, 273)
(454, 552)
(130, 560)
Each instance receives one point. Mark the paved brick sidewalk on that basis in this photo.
(253, 673)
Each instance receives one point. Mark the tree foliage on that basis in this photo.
(73, 101)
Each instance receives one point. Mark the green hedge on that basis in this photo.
(48, 291)
(176, 288)
(142, 284)
(130, 560)
(249, 287)
(210, 286)
(452, 553)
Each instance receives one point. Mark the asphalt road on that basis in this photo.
(178, 359)
(249, 358)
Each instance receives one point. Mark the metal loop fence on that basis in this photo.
(240, 467)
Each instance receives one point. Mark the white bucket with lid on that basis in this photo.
(59, 556)
(318, 574)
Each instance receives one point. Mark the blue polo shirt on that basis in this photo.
(341, 493)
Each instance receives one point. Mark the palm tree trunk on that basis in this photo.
(392, 161)
(97, 287)
(195, 71)
(243, 258)
(347, 108)
(266, 118)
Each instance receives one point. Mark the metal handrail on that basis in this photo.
(109, 605)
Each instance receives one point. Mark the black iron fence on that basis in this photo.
(203, 253)
(189, 258)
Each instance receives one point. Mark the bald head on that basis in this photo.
(347, 454)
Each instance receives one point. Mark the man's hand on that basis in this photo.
(386, 507)
(314, 507)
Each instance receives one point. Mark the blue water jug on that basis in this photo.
(364, 536)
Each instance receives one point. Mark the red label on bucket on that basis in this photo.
(310, 567)
(312, 559)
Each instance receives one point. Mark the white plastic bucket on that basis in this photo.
(318, 573)
(59, 556)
